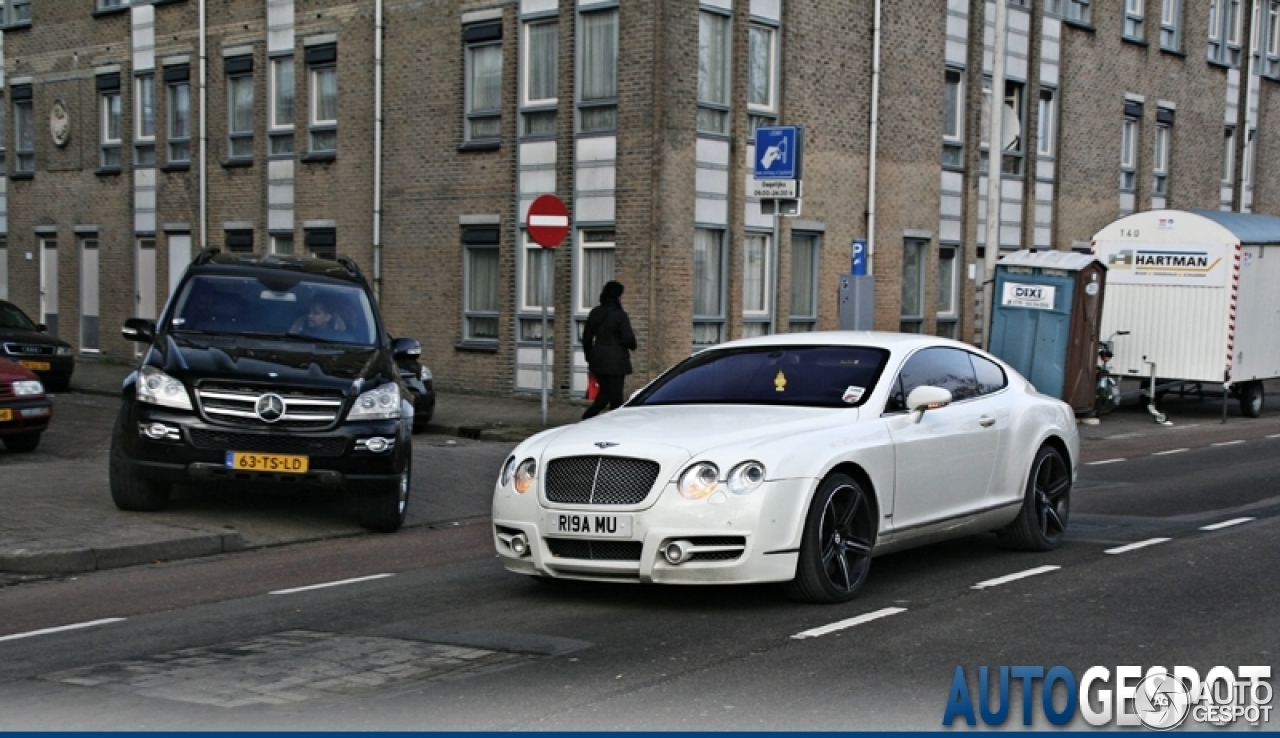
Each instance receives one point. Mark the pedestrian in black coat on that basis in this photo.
(607, 341)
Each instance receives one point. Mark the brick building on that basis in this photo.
(412, 135)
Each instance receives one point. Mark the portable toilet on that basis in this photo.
(1047, 310)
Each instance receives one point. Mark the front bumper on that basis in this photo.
(733, 539)
(196, 452)
(27, 416)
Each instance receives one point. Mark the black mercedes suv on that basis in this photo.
(272, 371)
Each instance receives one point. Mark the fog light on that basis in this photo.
(376, 445)
(159, 431)
(676, 552)
(34, 412)
(519, 544)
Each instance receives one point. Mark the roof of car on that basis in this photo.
(338, 268)
(884, 339)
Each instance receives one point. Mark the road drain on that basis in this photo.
(289, 667)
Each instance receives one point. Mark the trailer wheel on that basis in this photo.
(1250, 399)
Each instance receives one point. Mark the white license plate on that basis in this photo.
(588, 525)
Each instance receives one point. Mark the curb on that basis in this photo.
(84, 559)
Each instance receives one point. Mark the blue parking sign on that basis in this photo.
(779, 152)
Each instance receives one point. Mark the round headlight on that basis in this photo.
(526, 475)
(699, 480)
(745, 477)
(508, 468)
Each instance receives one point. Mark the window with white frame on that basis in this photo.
(805, 251)
(762, 75)
(282, 243)
(595, 259)
(1047, 125)
(1271, 65)
(480, 280)
(282, 91)
(533, 294)
(757, 280)
(178, 85)
(914, 258)
(1228, 155)
(24, 135)
(483, 89)
(4, 132)
(113, 4)
(239, 72)
(111, 141)
(714, 49)
(598, 71)
(1013, 128)
(1225, 18)
(1248, 163)
(15, 12)
(540, 78)
(144, 116)
(322, 115)
(708, 286)
(1129, 154)
(1171, 25)
(1160, 161)
(948, 303)
(953, 119)
(1072, 10)
(1133, 17)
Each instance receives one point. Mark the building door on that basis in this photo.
(89, 294)
(144, 295)
(49, 284)
(179, 258)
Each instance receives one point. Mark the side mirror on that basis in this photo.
(924, 398)
(139, 330)
(406, 348)
(41, 327)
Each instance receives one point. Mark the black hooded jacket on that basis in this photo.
(607, 339)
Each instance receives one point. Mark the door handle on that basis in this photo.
(986, 421)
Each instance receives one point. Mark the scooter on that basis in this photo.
(1108, 388)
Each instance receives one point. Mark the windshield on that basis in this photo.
(811, 376)
(314, 311)
(12, 317)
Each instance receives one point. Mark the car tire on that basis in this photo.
(129, 491)
(24, 443)
(384, 511)
(1251, 399)
(835, 545)
(1042, 522)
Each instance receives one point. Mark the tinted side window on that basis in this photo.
(947, 368)
(991, 377)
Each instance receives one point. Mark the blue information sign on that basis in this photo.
(779, 152)
(859, 264)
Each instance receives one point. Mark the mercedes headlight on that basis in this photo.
(27, 387)
(699, 480)
(377, 404)
(745, 477)
(526, 475)
(158, 388)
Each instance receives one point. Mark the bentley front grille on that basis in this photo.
(600, 480)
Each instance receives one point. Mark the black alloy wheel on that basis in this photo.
(835, 551)
(1042, 523)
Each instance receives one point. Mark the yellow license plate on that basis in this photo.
(36, 366)
(5, 414)
(278, 463)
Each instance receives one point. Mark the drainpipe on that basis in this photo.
(377, 152)
(874, 133)
(204, 132)
(1241, 147)
(995, 164)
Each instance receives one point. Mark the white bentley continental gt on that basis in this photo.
(792, 458)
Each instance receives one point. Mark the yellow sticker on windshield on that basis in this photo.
(780, 382)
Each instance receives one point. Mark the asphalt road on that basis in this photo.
(423, 630)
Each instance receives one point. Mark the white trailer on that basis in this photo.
(1198, 292)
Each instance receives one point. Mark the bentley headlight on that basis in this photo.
(508, 468)
(26, 387)
(745, 477)
(377, 404)
(526, 475)
(699, 480)
(158, 388)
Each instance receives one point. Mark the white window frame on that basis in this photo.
(757, 284)
(954, 108)
(15, 12)
(1271, 64)
(1224, 31)
(321, 128)
(478, 116)
(707, 321)
(1134, 17)
(179, 146)
(110, 123)
(538, 110)
(280, 120)
(948, 314)
(281, 243)
(763, 113)
(24, 136)
(236, 137)
(713, 114)
(1076, 11)
(1017, 155)
(912, 316)
(471, 314)
(144, 138)
(597, 113)
(1047, 130)
(531, 277)
(1129, 154)
(1229, 155)
(1160, 161)
(1248, 163)
(1171, 25)
(600, 240)
(804, 321)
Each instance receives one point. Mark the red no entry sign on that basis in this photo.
(548, 221)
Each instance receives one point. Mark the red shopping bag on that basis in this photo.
(593, 386)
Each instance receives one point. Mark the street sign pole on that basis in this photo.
(548, 223)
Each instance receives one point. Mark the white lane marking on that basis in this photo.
(1136, 546)
(1012, 577)
(330, 584)
(1274, 435)
(1226, 523)
(1227, 443)
(59, 629)
(841, 625)
(1104, 461)
(1170, 451)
